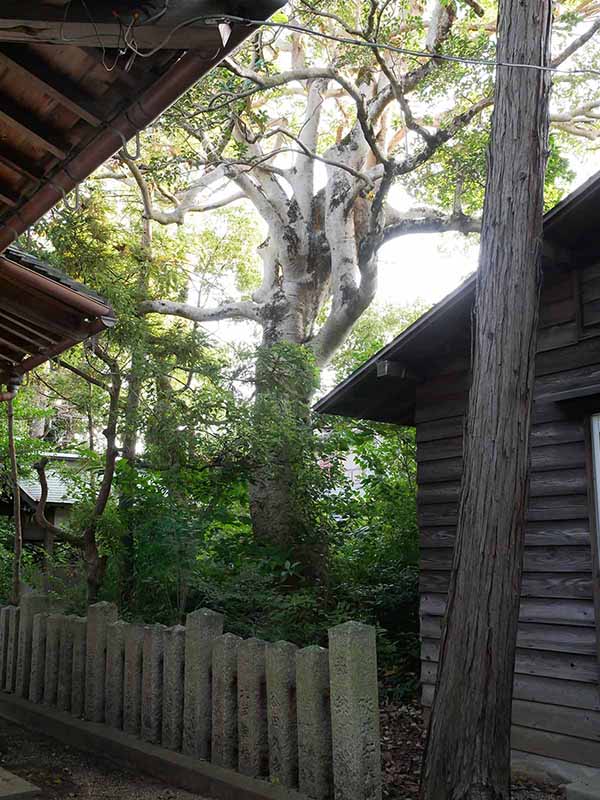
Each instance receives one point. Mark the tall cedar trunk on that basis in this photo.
(468, 752)
(14, 469)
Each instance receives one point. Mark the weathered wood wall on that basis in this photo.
(556, 709)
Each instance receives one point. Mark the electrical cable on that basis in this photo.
(214, 20)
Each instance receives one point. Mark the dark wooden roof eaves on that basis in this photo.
(24, 259)
(42, 313)
(570, 224)
(62, 113)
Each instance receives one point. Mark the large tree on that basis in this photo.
(316, 133)
(468, 753)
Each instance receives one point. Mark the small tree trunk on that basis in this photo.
(468, 752)
(132, 408)
(18, 546)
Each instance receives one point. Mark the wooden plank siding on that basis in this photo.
(556, 707)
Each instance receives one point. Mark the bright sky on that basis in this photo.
(426, 267)
(421, 268)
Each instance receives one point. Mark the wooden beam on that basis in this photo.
(7, 197)
(14, 347)
(17, 322)
(17, 163)
(35, 343)
(20, 120)
(27, 22)
(393, 369)
(36, 74)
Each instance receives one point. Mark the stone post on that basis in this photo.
(173, 677)
(132, 681)
(280, 667)
(224, 751)
(315, 776)
(54, 624)
(79, 635)
(14, 616)
(115, 671)
(38, 658)
(253, 756)
(355, 712)
(152, 683)
(65, 667)
(4, 626)
(99, 616)
(32, 603)
(202, 627)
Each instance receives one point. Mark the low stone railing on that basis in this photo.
(306, 719)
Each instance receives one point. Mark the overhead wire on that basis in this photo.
(215, 20)
(128, 33)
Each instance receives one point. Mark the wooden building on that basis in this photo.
(78, 80)
(60, 501)
(421, 379)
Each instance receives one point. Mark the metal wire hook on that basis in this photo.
(73, 207)
(15, 235)
(125, 151)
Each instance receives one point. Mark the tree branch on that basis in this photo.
(244, 310)
(40, 510)
(399, 223)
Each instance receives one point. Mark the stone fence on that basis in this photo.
(306, 719)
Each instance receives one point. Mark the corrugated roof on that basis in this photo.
(59, 491)
(18, 255)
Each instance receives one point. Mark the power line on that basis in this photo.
(227, 19)
(364, 43)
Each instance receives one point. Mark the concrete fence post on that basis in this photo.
(78, 627)
(152, 683)
(14, 617)
(99, 617)
(38, 658)
(355, 712)
(314, 723)
(201, 629)
(54, 624)
(173, 678)
(4, 626)
(115, 670)
(132, 682)
(32, 603)
(65, 667)
(280, 667)
(224, 751)
(253, 756)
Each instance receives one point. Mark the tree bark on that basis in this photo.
(468, 752)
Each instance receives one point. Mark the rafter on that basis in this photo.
(18, 164)
(34, 130)
(7, 197)
(95, 25)
(31, 69)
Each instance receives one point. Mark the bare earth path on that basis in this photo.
(403, 742)
(62, 772)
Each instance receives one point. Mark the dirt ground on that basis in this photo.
(403, 742)
(62, 772)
